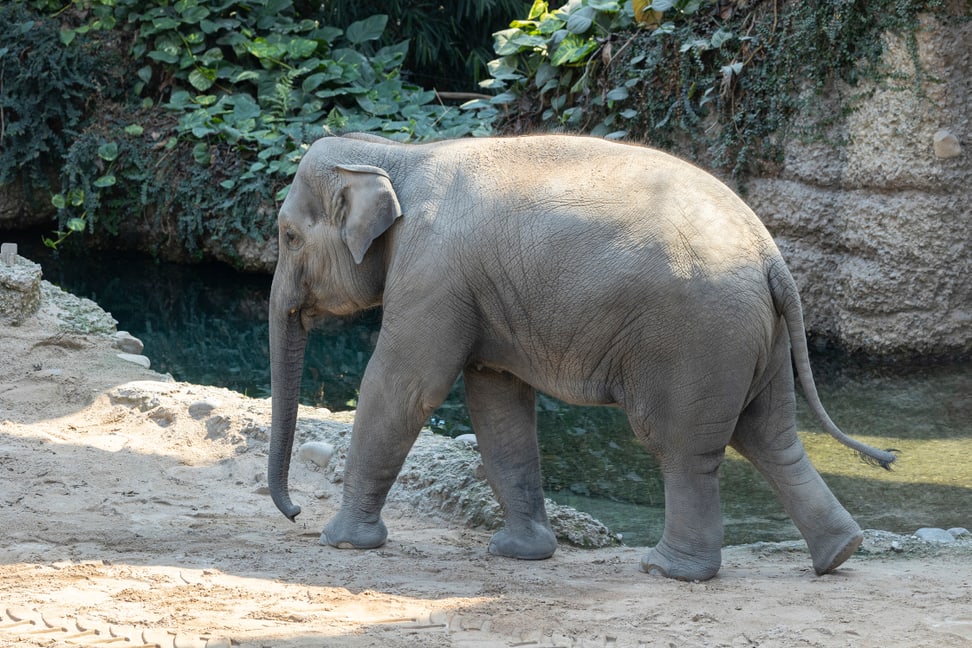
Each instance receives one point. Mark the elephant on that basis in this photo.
(598, 272)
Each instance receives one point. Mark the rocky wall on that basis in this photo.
(877, 228)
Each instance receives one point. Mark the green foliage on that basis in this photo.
(77, 199)
(262, 77)
(712, 80)
(249, 85)
(122, 171)
(449, 43)
(551, 57)
(46, 91)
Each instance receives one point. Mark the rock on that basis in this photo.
(143, 394)
(8, 253)
(137, 359)
(127, 343)
(959, 532)
(201, 409)
(932, 534)
(946, 144)
(318, 453)
(440, 476)
(20, 286)
(873, 226)
(467, 439)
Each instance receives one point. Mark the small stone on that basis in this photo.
(932, 534)
(203, 408)
(959, 532)
(316, 452)
(128, 343)
(946, 144)
(8, 253)
(137, 359)
(467, 439)
(896, 547)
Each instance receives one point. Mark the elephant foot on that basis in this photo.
(344, 532)
(665, 562)
(534, 542)
(828, 558)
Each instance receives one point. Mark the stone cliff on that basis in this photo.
(876, 223)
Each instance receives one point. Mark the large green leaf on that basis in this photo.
(513, 41)
(108, 151)
(301, 48)
(573, 49)
(245, 107)
(202, 79)
(581, 20)
(366, 30)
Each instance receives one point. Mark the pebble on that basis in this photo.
(468, 439)
(932, 534)
(946, 144)
(202, 408)
(316, 452)
(137, 359)
(128, 343)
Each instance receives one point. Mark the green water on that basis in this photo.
(923, 411)
(207, 324)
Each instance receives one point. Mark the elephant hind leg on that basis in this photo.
(691, 544)
(766, 436)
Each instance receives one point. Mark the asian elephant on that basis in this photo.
(595, 271)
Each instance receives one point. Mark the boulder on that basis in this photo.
(20, 286)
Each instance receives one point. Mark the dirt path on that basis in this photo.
(135, 513)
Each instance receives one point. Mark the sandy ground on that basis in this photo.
(135, 513)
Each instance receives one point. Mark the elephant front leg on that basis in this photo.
(503, 413)
(392, 407)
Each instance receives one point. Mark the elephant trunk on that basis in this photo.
(288, 339)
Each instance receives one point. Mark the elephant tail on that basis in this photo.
(786, 300)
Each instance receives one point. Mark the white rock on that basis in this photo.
(202, 408)
(958, 532)
(946, 144)
(128, 343)
(932, 534)
(316, 452)
(468, 439)
(137, 359)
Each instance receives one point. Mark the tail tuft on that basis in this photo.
(884, 459)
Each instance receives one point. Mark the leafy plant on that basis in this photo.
(46, 92)
(551, 59)
(717, 81)
(74, 204)
(249, 83)
(263, 78)
(449, 43)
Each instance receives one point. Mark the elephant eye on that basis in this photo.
(292, 239)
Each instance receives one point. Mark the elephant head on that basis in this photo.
(329, 263)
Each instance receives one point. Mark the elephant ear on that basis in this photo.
(372, 206)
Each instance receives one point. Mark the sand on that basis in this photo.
(134, 512)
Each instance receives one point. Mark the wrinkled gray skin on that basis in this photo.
(597, 272)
